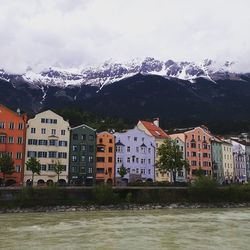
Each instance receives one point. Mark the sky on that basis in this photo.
(76, 33)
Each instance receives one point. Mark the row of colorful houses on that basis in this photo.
(89, 157)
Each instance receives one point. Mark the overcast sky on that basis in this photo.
(69, 33)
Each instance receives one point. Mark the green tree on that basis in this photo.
(34, 166)
(58, 168)
(6, 165)
(170, 158)
(122, 171)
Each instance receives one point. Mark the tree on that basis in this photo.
(34, 166)
(170, 158)
(58, 168)
(6, 165)
(122, 171)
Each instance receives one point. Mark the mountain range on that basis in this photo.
(181, 93)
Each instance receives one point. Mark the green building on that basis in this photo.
(82, 162)
(218, 171)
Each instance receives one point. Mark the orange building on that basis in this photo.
(12, 142)
(105, 158)
(198, 149)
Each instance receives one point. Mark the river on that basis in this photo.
(150, 229)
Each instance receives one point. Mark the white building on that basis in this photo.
(47, 140)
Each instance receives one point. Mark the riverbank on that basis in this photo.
(120, 207)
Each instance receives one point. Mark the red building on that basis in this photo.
(12, 142)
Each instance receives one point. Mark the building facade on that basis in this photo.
(198, 150)
(105, 158)
(181, 176)
(240, 164)
(135, 150)
(48, 141)
(82, 170)
(217, 164)
(153, 129)
(227, 161)
(12, 142)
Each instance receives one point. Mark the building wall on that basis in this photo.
(137, 154)
(47, 128)
(12, 141)
(82, 155)
(227, 161)
(181, 176)
(218, 170)
(239, 158)
(105, 158)
(198, 150)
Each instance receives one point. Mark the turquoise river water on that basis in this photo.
(151, 229)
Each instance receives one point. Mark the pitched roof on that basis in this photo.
(155, 131)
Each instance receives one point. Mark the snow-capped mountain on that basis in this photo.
(110, 72)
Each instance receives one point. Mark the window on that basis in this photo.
(193, 145)
(42, 120)
(128, 160)
(62, 143)
(100, 149)
(83, 158)
(83, 147)
(149, 161)
(74, 169)
(110, 141)
(149, 150)
(20, 126)
(100, 140)
(128, 149)
(12, 125)
(33, 130)
(74, 148)
(53, 131)
(90, 170)
(74, 158)
(31, 153)
(100, 159)
(110, 149)
(42, 154)
(193, 163)
(51, 167)
(19, 155)
(137, 149)
(91, 138)
(100, 170)
(43, 131)
(110, 159)
(10, 139)
(2, 125)
(43, 167)
(19, 140)
(193, 154)
(75, 136)
(119, 149)
(199, 137)
(52, 154)
(42, 142)
(53, 142)
(149, 171)
(62, 155)
(62, 132)
(18, 168)
(119, 159)
(135, 138)
(129, 138)
(83, 137)
(91, 159)
(205, 155)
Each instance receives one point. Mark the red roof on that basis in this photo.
(155, 131)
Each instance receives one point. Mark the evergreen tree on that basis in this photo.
(122, 171)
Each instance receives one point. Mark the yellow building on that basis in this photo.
(227, 160)
(153, 129)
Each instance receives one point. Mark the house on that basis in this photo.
(12, 142)
(105, 158)
(153, 129)
(135, 150)
(47, 140)
(82, 163)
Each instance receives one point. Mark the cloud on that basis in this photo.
(42, 33)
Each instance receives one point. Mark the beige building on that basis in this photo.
(227, 160)
(153, 129)
(47, 140)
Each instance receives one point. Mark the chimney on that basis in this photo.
(156, 122)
